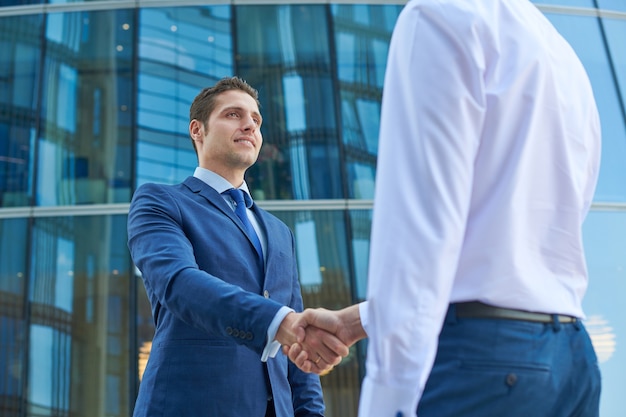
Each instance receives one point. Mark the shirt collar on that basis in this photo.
(221, 184)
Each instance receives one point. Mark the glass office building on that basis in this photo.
(94, 99)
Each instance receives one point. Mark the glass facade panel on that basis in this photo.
(181, 51)
(568, 3)
(21, 2)
(284, 52)
(615, 34)
(617, 5)
(94, 101)
(79, 325)
(324, 270)
(13, 333)
(84, 143)
(20, 51)
(585, 36)
(361, 226)
(605, 240)
(362, 35)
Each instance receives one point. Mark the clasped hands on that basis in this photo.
(316, 340)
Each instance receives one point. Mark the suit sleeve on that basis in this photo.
(165, 255)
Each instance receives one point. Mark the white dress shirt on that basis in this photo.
(488, 158)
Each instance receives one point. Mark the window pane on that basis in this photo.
(284, 52)
(13, 247)
(615, 32)
(181, 51)
(605, 245)
(616, 5)
(361, 222)
(324, 272)
(20, 49)
(568, 3)
(79, 361)
(21, 2)
(84, 152)
(362, 34)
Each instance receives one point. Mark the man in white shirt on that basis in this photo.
(488, 159)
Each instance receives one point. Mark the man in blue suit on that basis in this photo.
(223, 288)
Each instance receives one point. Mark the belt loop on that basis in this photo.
(451, 314)
(556, 324)
(576, 324)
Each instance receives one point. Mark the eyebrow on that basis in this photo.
(241, 109)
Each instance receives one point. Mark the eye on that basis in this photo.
(233, 114)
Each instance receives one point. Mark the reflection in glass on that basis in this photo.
(615, 32)
(284, 52)
(605, 240)
(324, 273)
(616, 5)
(84, 150)
(181, 51)
(569, 3)
(13, 334)
(20, 50)
(362, 34)
(79, 329)
(361, 222)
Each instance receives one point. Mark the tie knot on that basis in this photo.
(240, 197)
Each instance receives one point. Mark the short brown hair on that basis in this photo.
(204, 103)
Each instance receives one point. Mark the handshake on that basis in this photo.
(318, 339)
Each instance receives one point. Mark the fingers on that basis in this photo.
(317, 353)
(299, 357)
(322, 339)
(324, 344)
(332, 342)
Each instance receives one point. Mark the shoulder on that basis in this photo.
(450, 16)
(154, 190)
(166, 189)
(157, 195)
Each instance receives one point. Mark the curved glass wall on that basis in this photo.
(94, 101)
(180, 51)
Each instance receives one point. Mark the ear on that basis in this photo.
(196, 130)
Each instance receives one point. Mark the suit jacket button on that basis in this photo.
(235, 333)
(249, 336)
(266, 294)
(229, 330)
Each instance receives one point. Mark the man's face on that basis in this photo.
(231, 141)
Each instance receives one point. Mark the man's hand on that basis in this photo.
(334, 330)
(325, 349)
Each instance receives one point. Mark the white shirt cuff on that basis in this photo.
(364, 315)
(272, 346)
(384, 400)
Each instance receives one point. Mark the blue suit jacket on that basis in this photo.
(212, 307)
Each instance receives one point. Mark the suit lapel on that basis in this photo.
(214, 198)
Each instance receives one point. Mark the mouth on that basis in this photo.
(245, 141)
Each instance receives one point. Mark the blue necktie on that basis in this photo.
(240, 211)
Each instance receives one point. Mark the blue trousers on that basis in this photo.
(509, 368)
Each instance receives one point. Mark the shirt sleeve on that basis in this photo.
(432, 113)
(272, 346)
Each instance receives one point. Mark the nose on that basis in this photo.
(248, 123)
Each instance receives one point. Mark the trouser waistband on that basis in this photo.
(475, 309)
